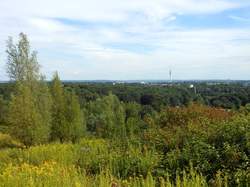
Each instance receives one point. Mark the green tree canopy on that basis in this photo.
(29, 111)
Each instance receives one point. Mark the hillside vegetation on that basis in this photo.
(59, 135)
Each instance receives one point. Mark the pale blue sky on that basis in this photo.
(133, 39)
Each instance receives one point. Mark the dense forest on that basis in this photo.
(55, 133)
(231, 95)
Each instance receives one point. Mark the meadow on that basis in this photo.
(90, 163)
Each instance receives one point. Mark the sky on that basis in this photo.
(132, 39)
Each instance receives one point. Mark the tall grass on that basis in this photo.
(53, 174)
(94, 163)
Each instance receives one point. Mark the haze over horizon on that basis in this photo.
(133, 39)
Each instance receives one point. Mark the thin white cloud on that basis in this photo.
(82, 52)
(241, 19)
(110, 10)
(48, 25)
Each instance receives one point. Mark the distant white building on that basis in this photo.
(191, 86)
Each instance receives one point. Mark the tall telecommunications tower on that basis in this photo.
(170, 75)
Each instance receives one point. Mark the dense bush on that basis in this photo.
(6, 141)
(95, 163)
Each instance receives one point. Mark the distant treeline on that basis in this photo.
(228, 96)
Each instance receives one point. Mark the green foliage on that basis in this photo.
(29, 108)
(106, 117)
(22, 65)
(67, 118)
(74, 117)
(132, 139)
(44, 104)
(25, 121)
(6, 141)
(59, 129)
(3, 114)
(59, 165)
(54, 174)
(134, 161)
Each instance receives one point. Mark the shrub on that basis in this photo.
(6, 141)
